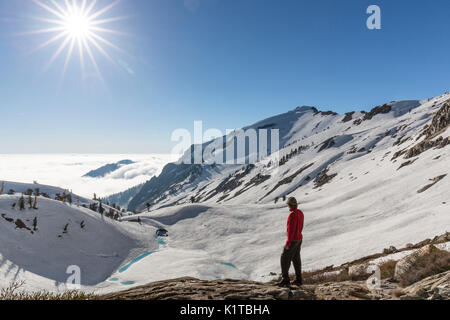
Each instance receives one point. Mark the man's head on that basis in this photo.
(292, 203)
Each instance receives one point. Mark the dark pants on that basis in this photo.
(292, 255)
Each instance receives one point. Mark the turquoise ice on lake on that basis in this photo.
(161, 241)
(228, 264)
(143, 256)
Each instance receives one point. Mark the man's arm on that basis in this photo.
(290, 230)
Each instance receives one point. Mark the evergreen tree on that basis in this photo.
(30, 202)
(21, 203)
(35, 203)
(35, 224)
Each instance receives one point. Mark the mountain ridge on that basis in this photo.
(302, 130)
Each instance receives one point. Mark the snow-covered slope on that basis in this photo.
(63, 235)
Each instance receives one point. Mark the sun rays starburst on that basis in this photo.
(77, 26)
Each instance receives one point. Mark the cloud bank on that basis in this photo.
(66, 171)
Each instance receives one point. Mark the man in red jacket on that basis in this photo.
(291, 252)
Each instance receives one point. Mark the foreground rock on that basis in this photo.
(194, 289)
(436, 287)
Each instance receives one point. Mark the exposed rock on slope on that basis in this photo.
(435, 180)
(159, 188)
(290, 178)
(323, 178)
(439, 124)
(440, 121)
(377, 110)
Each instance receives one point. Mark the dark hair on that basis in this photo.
(293, 206)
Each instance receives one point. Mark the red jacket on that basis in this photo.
(295, 226)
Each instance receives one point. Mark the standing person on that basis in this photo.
(291, 252)
(148, 207)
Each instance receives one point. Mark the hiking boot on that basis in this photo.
(284, 283)
(298, 283)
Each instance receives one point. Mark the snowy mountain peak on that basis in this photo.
(305, 109)
(329, 141)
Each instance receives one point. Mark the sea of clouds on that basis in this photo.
(67, 170)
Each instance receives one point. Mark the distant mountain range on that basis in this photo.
(107, 169)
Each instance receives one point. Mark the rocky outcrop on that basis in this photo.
(439, 124)
(440, 121)
(431, 288)
(425, 145)
(327, 144)
(436, 287)
(194, 289)
(390, 250)
(435, 180)
(377, 110)
(348, 117)
(289, 179)
(323, 178)
(348, 290)
(231, 183)
(358, 270)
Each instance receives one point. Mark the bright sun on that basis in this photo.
(77, 25)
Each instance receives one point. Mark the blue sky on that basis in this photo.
(228, 63)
